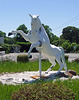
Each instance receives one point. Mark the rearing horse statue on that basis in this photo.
(40, 40)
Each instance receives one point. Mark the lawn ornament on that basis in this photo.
(40, 40)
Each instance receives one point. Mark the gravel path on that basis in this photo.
(72, 56)
(13, 56)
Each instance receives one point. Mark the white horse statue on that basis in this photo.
(40, 40)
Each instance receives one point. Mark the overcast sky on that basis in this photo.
(57, 14)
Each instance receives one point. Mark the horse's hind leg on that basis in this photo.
(63, 60)
(49, 69)
(60, 63)
(52, 60)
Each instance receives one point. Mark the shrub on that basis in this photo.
(22, 58)
(73, 45)
(77, 48)
(44, 91)
(24, 46)
(66, 46)
(9, 48)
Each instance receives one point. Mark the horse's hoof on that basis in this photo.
(30, 56)
(46, 72)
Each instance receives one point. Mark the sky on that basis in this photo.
(57, 14)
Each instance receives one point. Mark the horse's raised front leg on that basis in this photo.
(33, 46)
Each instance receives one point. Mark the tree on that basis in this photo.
(70, 33)
(51, 36)
(66, 45)
(8, 40)
(18, 37)
(2, 34)
(58, 42)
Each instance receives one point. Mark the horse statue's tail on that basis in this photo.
(63, 58)
(62, 50)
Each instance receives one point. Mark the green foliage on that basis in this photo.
(73, 66)
(26, 43)
(8, 40)
(8, 66)
(69, 39)
(22, 58)
(58, 42)
(7, 90)
(73, 45)
(9, 48)
(24, 46)
(2, 34)
(23, 28)
(66, 45)
(18, 37)
(51, 36)
(74, 48)
(72, 84)
(71, 33)
(77, 48)
(6, 48)
(44, 91)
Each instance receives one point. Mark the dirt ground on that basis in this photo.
(26, 77)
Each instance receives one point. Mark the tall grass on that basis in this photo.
(20, 66)
(73, 66)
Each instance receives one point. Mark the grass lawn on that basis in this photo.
(7, 90)
(34, 66)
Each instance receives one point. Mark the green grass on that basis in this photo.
(20, 66)
(7, 90)
(72, 84)
(33, 66)
(73, 66)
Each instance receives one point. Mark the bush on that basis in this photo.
(22, 58)
(9, 48)
(77, 48)
(6, 48)
(24, 46)
(73, 45)
(44, 91)
(66, 46)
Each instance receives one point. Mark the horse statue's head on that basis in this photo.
(37, 29)
(35, 22)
